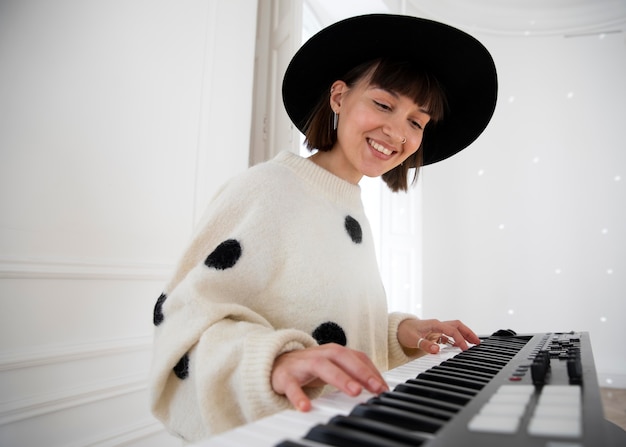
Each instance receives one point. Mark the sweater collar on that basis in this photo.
(336, 188)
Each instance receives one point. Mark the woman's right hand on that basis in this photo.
(346, 369)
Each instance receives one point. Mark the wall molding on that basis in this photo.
(123, 435)
(81, 268)
(44, 403)
(47, 355)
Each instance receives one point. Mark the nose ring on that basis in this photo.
(404, 140)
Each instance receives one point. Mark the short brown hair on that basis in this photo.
(399, 77)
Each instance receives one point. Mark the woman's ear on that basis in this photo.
(337, 90)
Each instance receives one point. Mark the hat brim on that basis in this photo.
(462, 65)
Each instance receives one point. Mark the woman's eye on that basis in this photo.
(417, 125)
(382, 106)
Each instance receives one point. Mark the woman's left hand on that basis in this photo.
(426, 334)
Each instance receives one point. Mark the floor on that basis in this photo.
(614, 401)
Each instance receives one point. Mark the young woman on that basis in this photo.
(279, 295)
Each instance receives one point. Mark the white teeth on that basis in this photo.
(380, 148)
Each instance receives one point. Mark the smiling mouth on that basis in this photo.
(379, 148)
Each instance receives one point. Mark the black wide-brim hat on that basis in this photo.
(462, 65)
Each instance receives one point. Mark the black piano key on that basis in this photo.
(473, 365)
(399, 418)
(415, 408)
(522, 340)
(434, 393)
(478, 350)
(299, 443)
(509, 344)
(497, 351)
(454, 379)
(452, 370)
(381, 429)
(498, 346)
(461, 371)
(341, 436)
(458, 370)
(470, 392)
(497, 360)
(422, 400)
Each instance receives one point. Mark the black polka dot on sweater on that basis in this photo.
(329, 332)
(354, 229)
(224, 256)
(182, 367)
(157, 318)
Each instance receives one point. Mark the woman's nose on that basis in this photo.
(393, 130)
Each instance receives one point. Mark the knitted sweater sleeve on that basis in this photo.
(213, 348)
(399, 355)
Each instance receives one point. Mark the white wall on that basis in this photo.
(118, 120)
(527, 228)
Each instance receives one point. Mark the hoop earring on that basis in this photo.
(335, 120)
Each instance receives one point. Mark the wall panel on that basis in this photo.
(118, 121)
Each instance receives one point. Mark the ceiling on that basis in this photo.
(504, 17)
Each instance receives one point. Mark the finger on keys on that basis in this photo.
(357, 369)
(298, 397)
(427, 345)
(461, 334)
(445, 340)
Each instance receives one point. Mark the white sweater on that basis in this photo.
(282, 260)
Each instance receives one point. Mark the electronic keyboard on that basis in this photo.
(510, 390)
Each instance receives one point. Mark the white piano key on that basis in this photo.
(294, 422)
(412, 369)
(263, 433)
(340, 403)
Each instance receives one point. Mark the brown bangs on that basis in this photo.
(408, 80)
